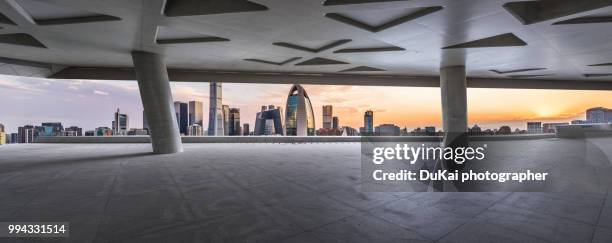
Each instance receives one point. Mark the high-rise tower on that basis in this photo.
(299, 119)
(215, 114)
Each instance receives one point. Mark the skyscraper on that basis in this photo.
(269, 121)
(182, 116)
(299, 119)
(195, 130)
(368, 122)
(335, 123)
(599, 115)
(195, 113)
(215, 112)
(73, 131)
(246, 131)
(25, 134)
(120, 123)
(226, 122)
(327, 116)
(234, 122)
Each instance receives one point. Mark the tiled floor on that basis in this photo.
(270, 193)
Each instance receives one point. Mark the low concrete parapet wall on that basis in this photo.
(280, 139)
(584, 130)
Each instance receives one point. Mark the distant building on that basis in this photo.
(599, 115)
(349, 131)
(138, 132)
(268, 121)
(430, 131)
(235, 128)
(368, 122)
(2, 138)
(2, 128)
(226, 122)
(335, 123)
(90, 133)
(182, 116)
(104, 131)
(73, 131)
(120, 123)
(25, 134)
(196, 114)
(299, 119)
(195, 130)
(215, 112)
(14, 137)
(387, 130)
(246, 130)
(50, 129)
(534, 127)
(552, 127)
(327, 116)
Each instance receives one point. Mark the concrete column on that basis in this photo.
(454, 106)
(156, 96)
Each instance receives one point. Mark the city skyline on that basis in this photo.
(83, 102)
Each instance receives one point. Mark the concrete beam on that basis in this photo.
(181, 75)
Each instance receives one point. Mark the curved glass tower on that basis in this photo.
(299, 117)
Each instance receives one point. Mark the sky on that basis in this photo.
(92, 103)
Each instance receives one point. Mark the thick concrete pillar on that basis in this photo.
(156, 96)
(454, 106)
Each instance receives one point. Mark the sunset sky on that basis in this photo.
(90, 104)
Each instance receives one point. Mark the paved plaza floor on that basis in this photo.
(274, 193)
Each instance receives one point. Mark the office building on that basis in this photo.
(182, 116)
(25, 134)
(195, 130)
(2, 129)
(235, 128)
(268, 121)
(226, 119)
(430, 131)
(73, 131)
(104, 131)
(327, 116)
(246, 130)
(335, 123)
(299, 119)
(3, 138)
(387, 130)
(49, 129)
(599, 115)
(349, 131)
(120, 123)
(368, 123)
(195, 113)
(534, 127)
(215, 112)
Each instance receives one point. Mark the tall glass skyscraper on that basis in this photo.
(195, 113)
(120, 123)
(368, 122)
(182, 116)
(299, 119)
(215, 113)
(327, 116)
(226, 120)
(235, 128)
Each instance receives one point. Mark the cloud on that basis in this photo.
(98, 92)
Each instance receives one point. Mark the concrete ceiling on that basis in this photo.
(503, 40)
